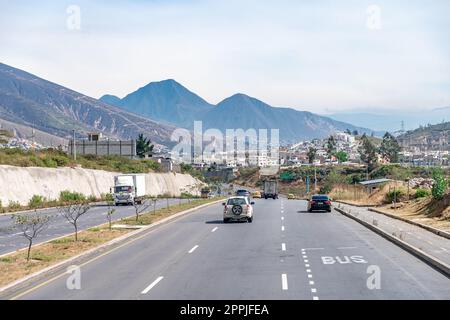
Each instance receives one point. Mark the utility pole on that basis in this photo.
(74, 146)
(315, 179)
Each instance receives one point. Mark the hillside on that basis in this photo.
(433, 137)
(30, 101)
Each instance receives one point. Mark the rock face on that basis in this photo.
(20, 184)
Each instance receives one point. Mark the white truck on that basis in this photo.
(129, 189)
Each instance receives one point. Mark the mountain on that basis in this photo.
(170, 102)
(110, 99)
(166, 101)
(431, 137)
(28, 100)
(242, 111)
(392, 120)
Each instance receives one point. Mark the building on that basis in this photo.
(94, 145)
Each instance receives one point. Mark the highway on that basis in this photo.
(286, 253)
(11, 240)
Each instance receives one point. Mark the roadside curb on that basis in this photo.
(102, 247)
(439, 232)
(357, 205)
(436, 263)
(92, 204)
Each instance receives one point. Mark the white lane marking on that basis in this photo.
(282, 228)
(214, 230)
(306, 265)
(313, 290)
(315, 298)
(308, 270)
(193, 249)
(283, 246)
(346, 248)
(282, 218)
(154, 283)
(310, 276)
(305, 257)
(284, 281)
(306, 261)
(303, 249)
(311, 283)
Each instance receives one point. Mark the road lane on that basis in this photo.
(247, 261)
(11, 241)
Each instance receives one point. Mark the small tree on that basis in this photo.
(73, 212)
(439, 185)
(341, 156)
(331, 146)
(368, 152)
(390, 148)
(312, 152)
(140, 207)
(111, 210)
(143, 146)
(30, 226)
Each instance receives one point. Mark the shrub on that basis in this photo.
(325, 189)
(49, 162)
(92, 198)
(439, 185)
(68, 196)
(394, 194)
(422, 193)
(36, 201)
(13, 206)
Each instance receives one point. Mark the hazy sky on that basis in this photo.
(320, 56)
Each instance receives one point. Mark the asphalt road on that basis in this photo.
(286, 253)
(11, 240)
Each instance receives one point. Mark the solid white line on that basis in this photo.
(283, 246)
(213, 230)
(193, 249)
(284, 282)
(154, 283)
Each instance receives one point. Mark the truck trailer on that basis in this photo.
(270, 189)
(129, 189)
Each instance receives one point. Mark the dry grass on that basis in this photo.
(15, 266)
(425, 210)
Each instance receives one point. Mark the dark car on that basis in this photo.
(319, 202)
(244, 193)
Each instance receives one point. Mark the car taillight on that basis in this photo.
(313, 202)
(328, 202)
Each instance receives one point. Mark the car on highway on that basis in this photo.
(238, 209)
(319, 202)
(256, 194)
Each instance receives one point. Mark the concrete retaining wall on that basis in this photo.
(20, 184)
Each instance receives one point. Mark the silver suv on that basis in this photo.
(238, 209)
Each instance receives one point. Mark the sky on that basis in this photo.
(320, 56)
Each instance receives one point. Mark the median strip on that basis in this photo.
(53, 254)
